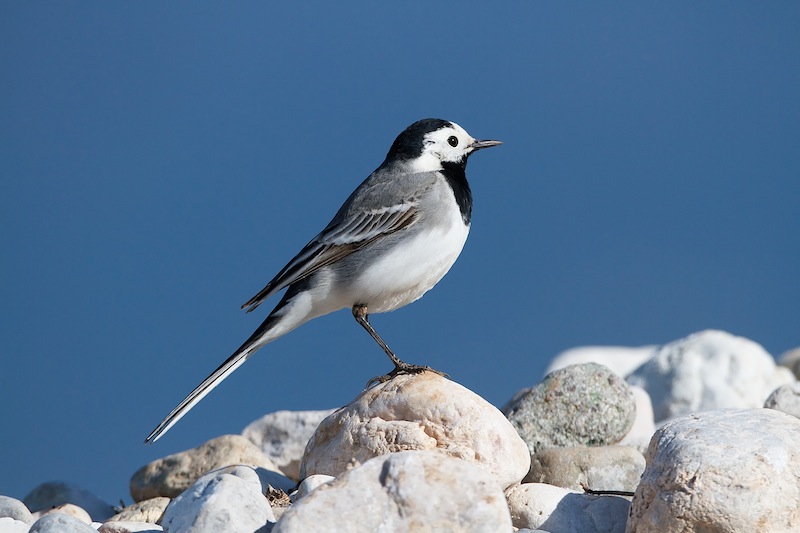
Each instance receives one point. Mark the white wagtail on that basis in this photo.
(393, 239)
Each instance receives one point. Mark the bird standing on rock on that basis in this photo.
(394, 238)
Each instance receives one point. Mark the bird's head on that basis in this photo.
(428, 144)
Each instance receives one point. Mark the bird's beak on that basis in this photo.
(477, 145)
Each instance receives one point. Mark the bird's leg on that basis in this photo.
(400, 367)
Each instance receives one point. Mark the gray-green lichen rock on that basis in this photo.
(579, 405)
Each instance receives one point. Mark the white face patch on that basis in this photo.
(450, 144)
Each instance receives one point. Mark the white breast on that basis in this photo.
(411, 269)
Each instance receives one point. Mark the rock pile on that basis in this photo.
(422, 453)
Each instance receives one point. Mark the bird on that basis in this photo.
(391, 241)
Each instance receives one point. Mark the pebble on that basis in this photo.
(171, 475)
(600, 468)
(580, 405)
(144, 511)
(721, 470)
(785, 398)
(310, 483)
(404, 491)
(68, 509)
(10, 525)
(558, 510)
(60, 523)
(13, 508)
(129, 527)
(283, 436)
(708, 370)
(229, 499)
(418, 412)
(55, 493)
(791, 360)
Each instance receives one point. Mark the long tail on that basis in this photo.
(291, 312)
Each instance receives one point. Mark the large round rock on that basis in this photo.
(579, 405)
(728, 470)
(418, 412)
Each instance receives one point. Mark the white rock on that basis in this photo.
(10, 525)
(129, 527)
(558, 510)
(60, 523)
(617, 468)
(708, 370)
(55, 493)
(404, 491)
(791, 360)
(144, 511)
(622, 360)
(68, 509)
(785, 398)
(171, 475)
(310, 483)
(723, 470)
(14, 508)
(644, 424)
(418, 412)
(283, 436)
(230, 499)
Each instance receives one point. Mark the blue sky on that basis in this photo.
(161, 161)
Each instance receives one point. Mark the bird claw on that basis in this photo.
(404, 368)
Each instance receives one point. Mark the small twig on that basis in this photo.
(587, 490)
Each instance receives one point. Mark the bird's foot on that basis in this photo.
(403, 368)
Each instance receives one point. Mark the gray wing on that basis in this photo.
(377, 208)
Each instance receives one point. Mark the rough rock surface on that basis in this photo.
(9, 525)
(622, 360)
(129, 527)
(60, 523)
(418, 412)
(55, 493)
(144, 511)
(13, 508)
(727, 470)
(580, 405)
(171, 475)
(230, 499)
(708, 370)
(599, 468)
(283, 436)
(404, 491)
(559, 510)
(785, 398)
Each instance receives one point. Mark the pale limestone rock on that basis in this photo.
(622, 360)
(559, 510)
(283, 436)
(580, 405)
(708, 370)
(60, 523)
(643, 425)
(129, 527)
(599, 468)
(404, 491)
(10, 525)
(310, 483)
(171, 475)
(68, 509)
(785, 398)
(55, 493)
(229, 499)
(13, 508)
(727, 470)
(144, 511)
(418, 412)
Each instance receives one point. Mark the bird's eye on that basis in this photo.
(453, 141)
